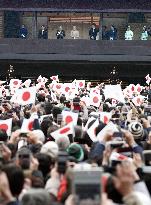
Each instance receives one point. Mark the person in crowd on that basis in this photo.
(74, 33)
(23, 32)
(43, 33)
(60, 33)
(93, 32)
(55, 137)
(129, 34)
(144, 34)
(104, 33)
(112, 33)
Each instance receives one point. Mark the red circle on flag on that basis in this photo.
(133, 88)
(138, 100)
(67, 89)
(30, 125)
(4, 127)
(65, 130)
(68, 119)
(26, 96)
(15, 82)
(106, 119)
(81, 84)
(95, 99)
(139, 89)
(58, 86)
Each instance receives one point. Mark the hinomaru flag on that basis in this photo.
(6, 125)
(24, 96)
(114, 91)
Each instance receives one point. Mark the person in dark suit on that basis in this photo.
(60, 33)
(112, 33)
(93, 32)
(43, 33)
(23, 32)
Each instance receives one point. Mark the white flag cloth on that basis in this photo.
(92, 131)
(27, 125)
(64, 131)
(27, 83)
(105, 117)
(114, 91)
(138, 100)
(69, 116)
(6, 125)
(15, 83)
(24, 96)
(109, 127)
(80, 83)
(54, 78)
(148, 79)
(2, 82)
(95, 99)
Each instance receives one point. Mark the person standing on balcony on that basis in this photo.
(112, 33)
(23, 32)
(129, 34)
(43, 32)
(93, 32)
(144, 34)
(60, 33)
(74, 33)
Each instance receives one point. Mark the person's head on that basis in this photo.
(112, 27)
(23, 26)
(93, 25)
(74, 28)
(15, 177)
(42, 27)
(128, 28)
(60, 28)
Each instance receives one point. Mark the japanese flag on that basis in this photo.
(15, 83)
(64, 131)
(40, 79)
(27, 83)
(132, 87)
(138, 100)
(27, 125)
(117, 157)
(54, 78)
(24, 96)
(109, 127)
(92, 131)
(2, 82)
(66, 88)
(6, 125)
(57, 87)
(105, 117)
(86, 100)
(95, 99)
(80, 83)
(69, 117)
(138, 88)
(114, 91)
(148, 79)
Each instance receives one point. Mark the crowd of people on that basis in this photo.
(68, 129)
(107, 34)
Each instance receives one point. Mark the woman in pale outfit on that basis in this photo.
(144, 34)
(74, 33)
(129, 34)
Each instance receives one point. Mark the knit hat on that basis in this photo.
(76, 151)
(50, 148)
(136, 129)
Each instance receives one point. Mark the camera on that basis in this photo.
(86, 184)
(62, 162)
